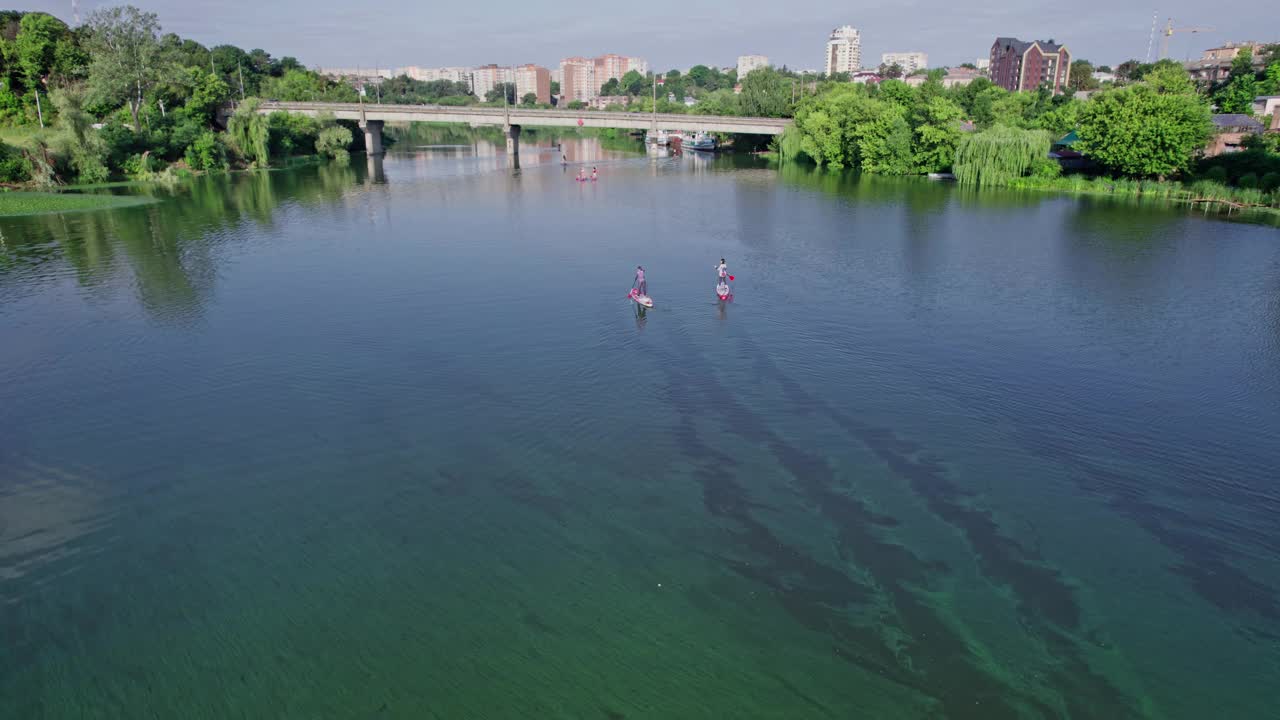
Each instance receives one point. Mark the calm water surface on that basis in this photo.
(388, 442)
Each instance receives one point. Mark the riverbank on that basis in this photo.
(1204, 193)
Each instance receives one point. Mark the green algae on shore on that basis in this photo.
(37, 203)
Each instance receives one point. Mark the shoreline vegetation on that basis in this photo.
(116, 99)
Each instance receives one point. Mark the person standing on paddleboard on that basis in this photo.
(640, 285)
(723, 271)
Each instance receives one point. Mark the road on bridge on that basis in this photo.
(517, 116)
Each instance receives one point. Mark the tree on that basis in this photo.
(529, 99)
(128, 57)
(207, 93)
(699, 75)
(968, 66)
(765, 93)
(896, 92)
(1081, 76)
(937, 134)
(998, 155)
(36, 47)
(1271, 81)
(613, 87)
(1152, 129)
(847, 128)
(633, 83)
(1242, 87)
(893, 71)
(500, 91)
(555, 88)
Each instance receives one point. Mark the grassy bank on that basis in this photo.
(1203, 192)
(33, 203)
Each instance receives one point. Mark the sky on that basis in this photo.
(681, 33)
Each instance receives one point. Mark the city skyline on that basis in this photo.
(401, 33)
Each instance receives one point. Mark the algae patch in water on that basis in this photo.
(36, 203)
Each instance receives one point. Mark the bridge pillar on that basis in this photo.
(513, 140)
(372, 136)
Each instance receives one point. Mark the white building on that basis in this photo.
(747, 63)
(452, 74)
(844, 51)
(908, 61)
(983, 64)
(640, 65)
(487, 77)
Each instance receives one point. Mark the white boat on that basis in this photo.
(661, 137)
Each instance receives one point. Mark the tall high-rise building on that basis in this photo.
(578, 79)
(747, 63)
(844, 51)
(533, 79)
(487, 77)
(613, 67)
(908, 61)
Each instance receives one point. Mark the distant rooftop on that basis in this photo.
(1236, 121)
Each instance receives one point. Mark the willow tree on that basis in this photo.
(250, 133)
(998, 155)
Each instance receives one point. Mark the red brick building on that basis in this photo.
(1017, 65)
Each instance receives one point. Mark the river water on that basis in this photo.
(387, 440)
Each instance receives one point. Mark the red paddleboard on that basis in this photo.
(641, 300)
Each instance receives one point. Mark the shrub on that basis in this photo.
(1248, 181)
(206, 153)
(1271, 182)
(1046, 168)
(333, 141)
(14, 166)
(142, 166)
(1217, 174)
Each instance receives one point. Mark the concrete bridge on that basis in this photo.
(511, 118)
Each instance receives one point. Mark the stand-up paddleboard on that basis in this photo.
(641, 300)
(723, 291)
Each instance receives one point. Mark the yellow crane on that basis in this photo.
(1169, 31)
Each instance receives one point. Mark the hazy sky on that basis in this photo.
(680, 33)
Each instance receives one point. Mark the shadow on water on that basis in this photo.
(928, 655)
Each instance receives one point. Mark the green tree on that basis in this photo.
(613, 87)
(633, 83)
(1271, 81)
(250, 133)
(896, 92)
(128, 57)
(765, 93)
(1152, 129)
(996, 156)
(1242, 87)
(937, 134)
(893, 71)
(1081, 76)
(36, 47)
(334, 141)
(699, 75)
(529, 99)
(501, 91)
(847, 128)
(207, 92)
(555, 87)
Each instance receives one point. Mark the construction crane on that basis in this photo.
(1169, 31)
